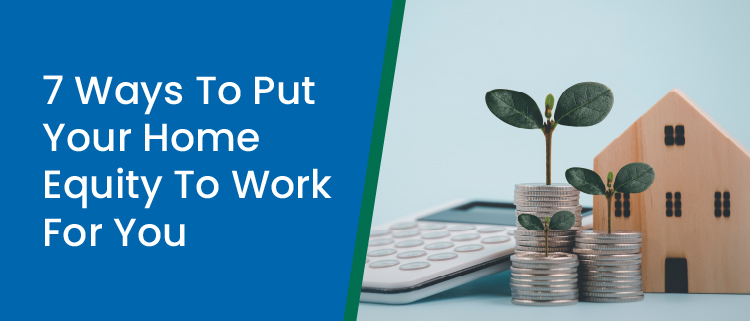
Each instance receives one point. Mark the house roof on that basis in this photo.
(690, 102)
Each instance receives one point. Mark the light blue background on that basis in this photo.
(442, 142)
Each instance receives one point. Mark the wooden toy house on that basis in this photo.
(695, 217)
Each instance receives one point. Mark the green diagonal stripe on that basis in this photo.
(373, 161)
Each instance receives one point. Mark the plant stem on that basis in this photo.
(609, 214)
(546, 243)
(548, 140)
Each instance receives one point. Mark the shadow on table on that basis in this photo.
(497, 285)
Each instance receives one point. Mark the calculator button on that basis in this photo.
(511, 232)
(405, 233)
(442, 256)
(409, 243)
(435, 235)
(492, 229)
(404, 226)
(414, 266)
(461, 228)
(434, 226)
(495, 239)
(382, 252)
(384, 264)
(469, 248)
(411, 254)
(375, 233)
(438, 246)
(465, 237)
(378, 242)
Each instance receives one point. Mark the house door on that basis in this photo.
(675, 275)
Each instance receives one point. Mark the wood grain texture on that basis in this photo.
(717, 249)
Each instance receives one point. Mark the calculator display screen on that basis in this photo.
(478, 213)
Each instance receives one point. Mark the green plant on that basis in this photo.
(562, 221)
(583, 104)
(632, 178)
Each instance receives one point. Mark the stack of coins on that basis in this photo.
(550, 280)
(543, 201)
(610, 266)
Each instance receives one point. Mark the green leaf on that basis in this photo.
(584, 104)
(562, 220)
(634, 178)
(515, 108)
(585, 180)
(530, 222)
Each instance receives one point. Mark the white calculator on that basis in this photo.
(441, 248)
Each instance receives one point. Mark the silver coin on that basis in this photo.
(609, 268)
(543, 272)
(549, 208)
(528, 287)
(545, 187)
(589, 274)
(552, 293)
(613, 300)
(542, 215)
(517, 193)
(610, 283)
(610, 288)
(517, 251)
(550, 277)
(604, 252)
(613, 235)
(617, 257)
(608, 247)
(546, 193)
(525, 232)
(548, 214)
(541, 238)
(553, 303)
(609, 241)
(523, 203)
(612, 278)
(559, 297)
(542, 244)
(572, 229)
(611, 294)
(567, 247)
(542, 282)
(610, 263)
(544, 265)
(576, 225)
(542, 249)
(534, 198)
(551, 258)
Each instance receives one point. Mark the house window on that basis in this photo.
(674, 135)
(626, 205)
(679, 138)
(668, 135)
(669, 204)
(718, 204)
(618, 205)
(674, 205)
(622, 207)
